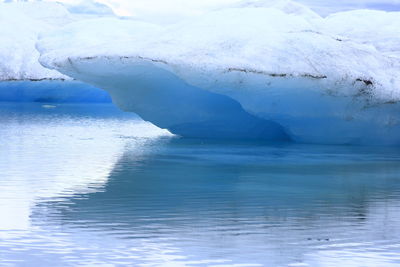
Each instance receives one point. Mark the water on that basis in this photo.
(88, 185)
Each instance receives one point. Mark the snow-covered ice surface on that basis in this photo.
(22, 77)
(378, 28)
(280, 69)
(20, 25)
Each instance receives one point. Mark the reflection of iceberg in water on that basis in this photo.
(51, 154)
(55, 91)
(281, 205)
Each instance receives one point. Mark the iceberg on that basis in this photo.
(246, 71)
(22, 77)
(18, 56)
(372, 27)
(201, 79)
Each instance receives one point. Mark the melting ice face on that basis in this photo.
(271, 70)
(252, 70)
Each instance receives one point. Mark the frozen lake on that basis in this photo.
(89, 185)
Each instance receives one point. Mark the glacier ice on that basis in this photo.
(377, 28)
(283, 71)
(173, 11)
(89, 7)
(20, 25)
(22, 78)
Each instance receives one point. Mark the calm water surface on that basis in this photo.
(92, 186)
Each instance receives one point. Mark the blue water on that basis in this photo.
(51, 91)
(88, 185)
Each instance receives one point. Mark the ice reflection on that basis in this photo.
(52, 154)
(196, 203)
(90, 186)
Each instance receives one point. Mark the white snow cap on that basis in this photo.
(272, 37)
(173, 11)
(20, 24)
(278, 37)
(378, 28)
